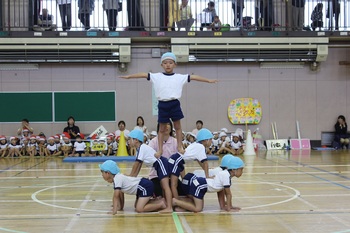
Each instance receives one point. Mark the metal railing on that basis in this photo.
(168, 15)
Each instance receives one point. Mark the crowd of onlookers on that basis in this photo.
(74, 143)
(178, 14)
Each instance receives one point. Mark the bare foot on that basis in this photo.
(166, 210)
(174, 200)
(179, 209)
(163, 204)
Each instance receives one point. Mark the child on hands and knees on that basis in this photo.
(196, 187)
(141, 187)
(195, 151)
(146, 154)
(168, 90)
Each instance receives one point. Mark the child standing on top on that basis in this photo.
(168, 90)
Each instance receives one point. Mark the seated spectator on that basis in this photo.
(207, 16)
(316, 17)
(341, 138)
(45, 22)
(184, 19)
(216, 25)
(199, 126)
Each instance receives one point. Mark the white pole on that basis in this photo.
(276, 130)
(299, 138)
(273, 131)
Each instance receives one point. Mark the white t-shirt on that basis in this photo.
(126, 184)
(195, 151)
(14, 146)
(66, 144)
(143, 129)
(212, 172)
(168, 86)
(236, 145)
(146, 154)
(219, 182)
(3, 146)
(52, 147)
(214, 142)
(79, 146)
(126, 133)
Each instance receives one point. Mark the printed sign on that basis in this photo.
(99, 132)
(278, 144)
(244, 111)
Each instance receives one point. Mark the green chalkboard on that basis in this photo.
(85, 106)
(35, 106)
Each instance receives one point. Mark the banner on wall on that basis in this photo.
(244, 111)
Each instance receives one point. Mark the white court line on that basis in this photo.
(9, 230)
(331, 215)
(254, 173)
(62, 207)
(296, 195)
(190, 167)
(205, 211)
(207, 198)
(76, 217)
(185, 224)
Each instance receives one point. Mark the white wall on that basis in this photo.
(286, 95)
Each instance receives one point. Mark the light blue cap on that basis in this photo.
(225, 160)
(204, 134)
(137, 134)
(168, 55)
(109, 166)
(235, 163)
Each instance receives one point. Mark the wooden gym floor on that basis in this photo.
(280, 191)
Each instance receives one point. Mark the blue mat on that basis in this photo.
(114, 158)
(323, 148)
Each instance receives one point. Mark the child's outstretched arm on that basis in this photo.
(117, 195)
(136, 168)
(202, 79)
(205, 167)
(138, 75)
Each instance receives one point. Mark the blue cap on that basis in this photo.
(137, 134)
(225, 160)
(235, 163)
(109, 166)
(168, 55)
(204, 134)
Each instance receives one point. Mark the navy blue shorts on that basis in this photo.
(176, 164)
(169, 110)
(198, 187)
(162, 167)
(187, 181)
(145, 188)
(80, 153)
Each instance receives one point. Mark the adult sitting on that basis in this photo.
(71, 128)
(45, 22)
(341, 138)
